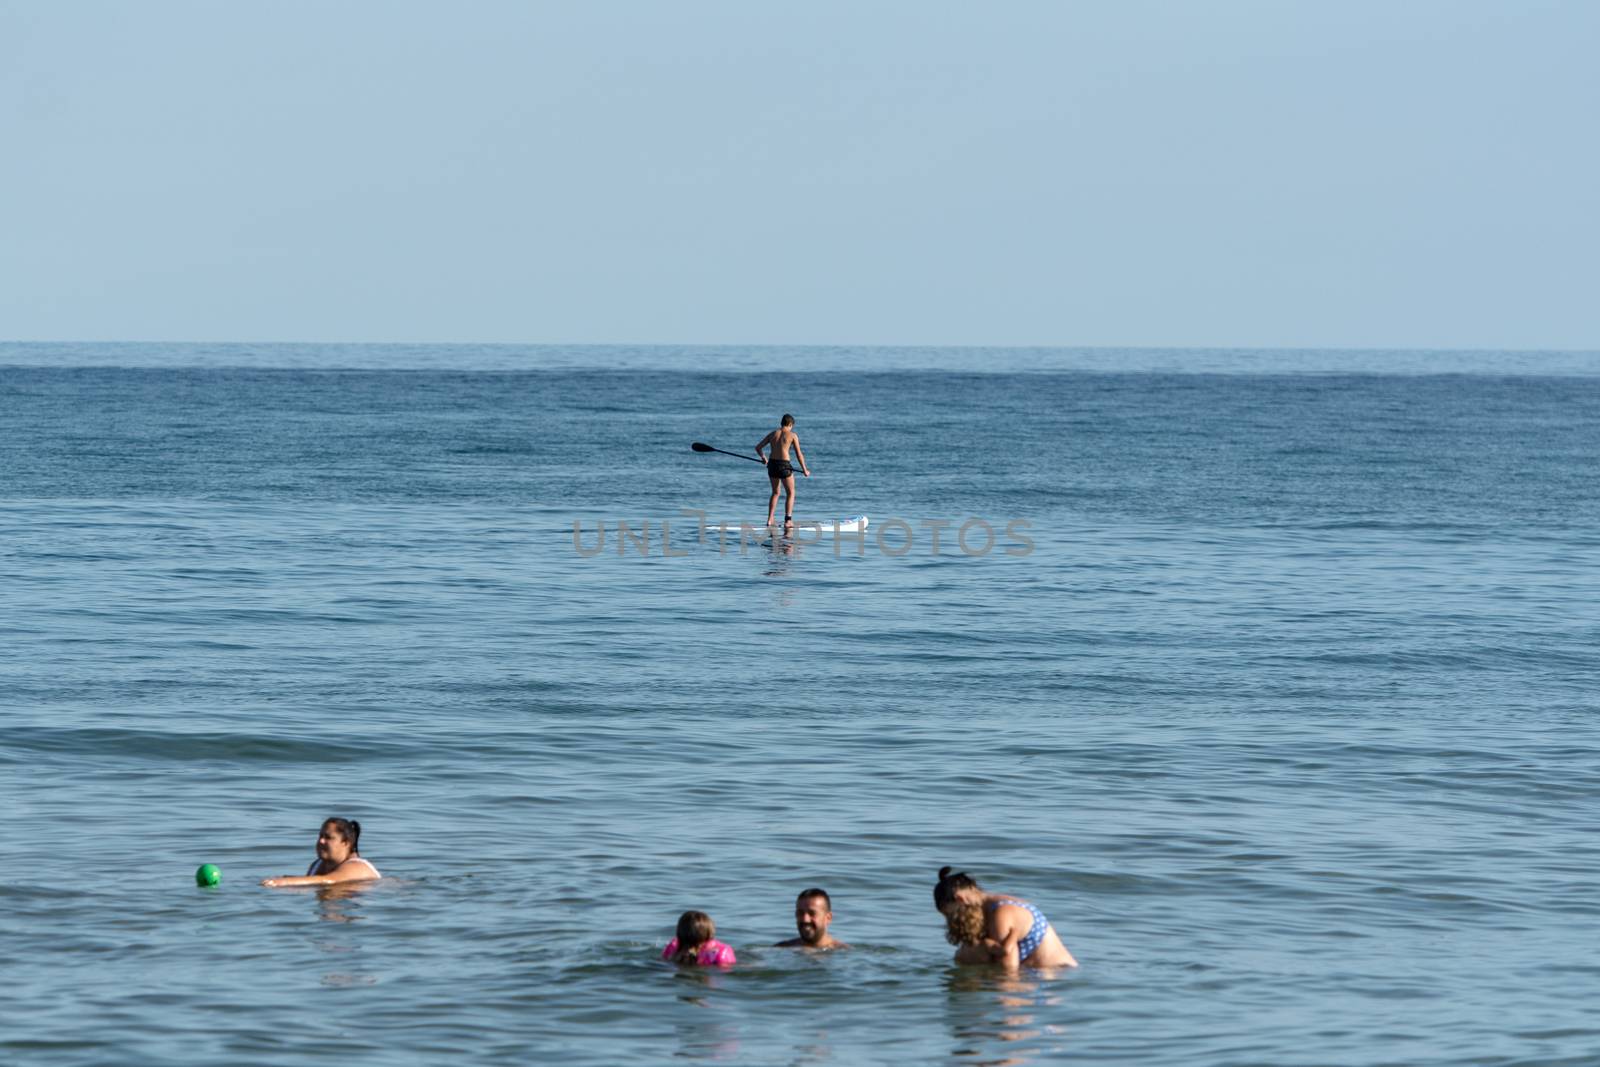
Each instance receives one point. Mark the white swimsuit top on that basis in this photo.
(311, 870)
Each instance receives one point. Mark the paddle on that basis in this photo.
(700, 446)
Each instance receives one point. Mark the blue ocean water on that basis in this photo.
(1279, 700)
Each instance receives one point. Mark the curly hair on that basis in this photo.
(965, 924)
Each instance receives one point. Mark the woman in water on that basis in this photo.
(337, 858)
(697, 944)
(995, 927)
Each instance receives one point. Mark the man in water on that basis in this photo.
(813, 911)
(779, 471)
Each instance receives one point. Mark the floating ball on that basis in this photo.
(208, 875)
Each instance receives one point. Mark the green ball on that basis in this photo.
(207, 875)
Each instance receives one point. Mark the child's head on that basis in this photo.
(695, 928)
(787, 420)
(338, 839)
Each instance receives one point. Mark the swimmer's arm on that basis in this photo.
(763, 444)
(802, 456)
(352, 870)
(1004, 949)
(289, 880)
(345, 872)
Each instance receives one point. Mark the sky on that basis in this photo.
(1234, 173)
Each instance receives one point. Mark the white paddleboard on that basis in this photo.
(805, 527)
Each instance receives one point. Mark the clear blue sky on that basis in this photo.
(1420, 173)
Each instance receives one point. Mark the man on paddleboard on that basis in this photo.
(779, 470)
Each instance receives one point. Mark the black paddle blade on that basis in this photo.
(701, 446)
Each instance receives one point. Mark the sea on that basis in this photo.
(1271, 677)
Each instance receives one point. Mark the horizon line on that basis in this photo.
(897, 346)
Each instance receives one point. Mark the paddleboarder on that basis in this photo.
(779, 470)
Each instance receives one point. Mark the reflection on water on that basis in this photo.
(985, 1007)
(332, 901)
(703, 1029)
(337, 980)
(336, 904)
(813, 1052)
(780, 557)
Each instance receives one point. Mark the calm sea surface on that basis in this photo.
(1280, 700)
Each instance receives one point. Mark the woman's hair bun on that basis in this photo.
(944, 872)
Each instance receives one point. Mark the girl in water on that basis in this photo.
(337, 858)
(697, 944)
(995, 927)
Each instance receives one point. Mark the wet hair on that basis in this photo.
(348, 829)
(807, 894)
(950, 884)
(695, 928)
(965, 924)
(787, 420)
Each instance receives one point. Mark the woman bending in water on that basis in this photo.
(995, 927)
(337, 858)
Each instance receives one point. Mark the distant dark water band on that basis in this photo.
(18, 743)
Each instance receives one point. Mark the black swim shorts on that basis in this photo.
(779, 468)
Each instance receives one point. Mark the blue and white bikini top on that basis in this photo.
(1036, 932)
